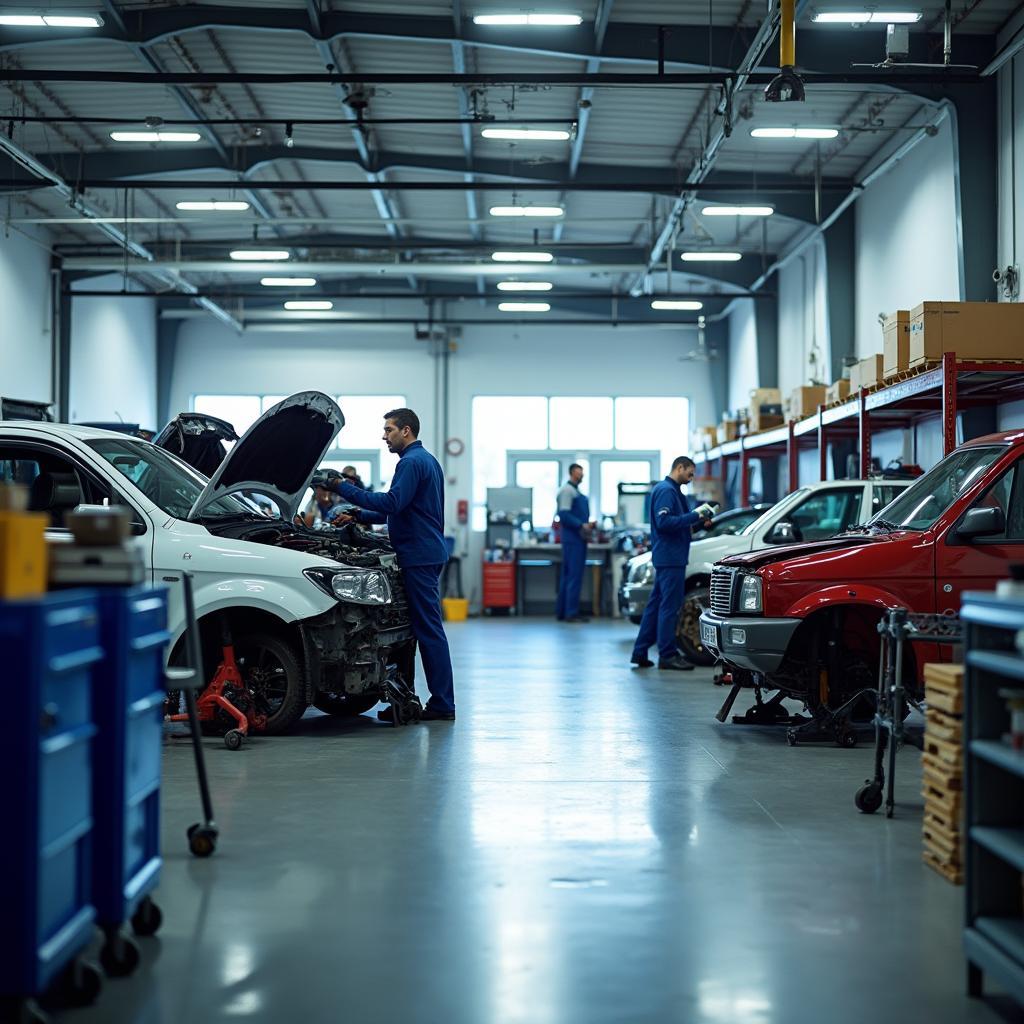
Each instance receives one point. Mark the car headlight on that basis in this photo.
(360, 586)
(642, 574)
(750, 594)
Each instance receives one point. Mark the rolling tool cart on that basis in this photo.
(128, 699)
(51, 645)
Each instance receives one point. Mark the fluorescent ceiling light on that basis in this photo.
(676, 304)
(737, 211)
(524, 307)
(309, 304)
(865, 17)
(794, 133)
(527, 19)
(708, 256)
(522, 257)
(525, 286)
(155, 136)
(527, 211)
(260, 255)
(535, 134)
(213, 205)
(52, 20)
(288, 282)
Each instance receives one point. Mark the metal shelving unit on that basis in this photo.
(994, 773)
(940, 392)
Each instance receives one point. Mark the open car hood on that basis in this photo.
(197, 439)
(278, 454)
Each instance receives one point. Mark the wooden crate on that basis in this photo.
(948, 801)
(950, 872)
(936, 817)
(941, 774)
(944, 687)
(950, 754)
(943, 726)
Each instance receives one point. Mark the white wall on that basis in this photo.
(113, 357)
(906, 238)
(804, 345)
(743, 376)
(26, 340)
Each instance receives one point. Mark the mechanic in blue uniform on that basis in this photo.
(574, 519)
(413, 508)
(671, 523)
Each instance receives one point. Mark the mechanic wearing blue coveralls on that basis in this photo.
(574, 518)
(413, 508)
(671, 523)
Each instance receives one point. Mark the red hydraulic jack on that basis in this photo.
(226, 698)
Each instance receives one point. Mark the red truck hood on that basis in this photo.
(806, 550)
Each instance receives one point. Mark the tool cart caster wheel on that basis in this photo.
(147, 918)
(120, 955)
(847, 738)
(202, 841)
(868, 798)
(81, 983)
(233, 739)
(790, 737)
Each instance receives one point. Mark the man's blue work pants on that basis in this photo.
(574, 558)
(662, 613)
(423, 588)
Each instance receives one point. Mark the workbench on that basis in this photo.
(538, 567)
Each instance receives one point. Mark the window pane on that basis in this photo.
(646, 423)
(615, 472)
(241, 411)
(364, 429)
(583, 424)
(269, 401)
(826, 513)
(543, 477)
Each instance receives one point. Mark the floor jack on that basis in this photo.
(763, 712)
(398, 694)
(226, 698)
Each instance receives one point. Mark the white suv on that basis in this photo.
(809, 513)
(316, 616)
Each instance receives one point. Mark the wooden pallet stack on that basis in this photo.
(943, 771)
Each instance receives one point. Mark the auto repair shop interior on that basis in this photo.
(718, 284)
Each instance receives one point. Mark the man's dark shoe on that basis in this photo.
(385, 714)
(641, 661)
(430, 715)
(676, 664)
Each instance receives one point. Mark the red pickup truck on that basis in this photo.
(802, 620)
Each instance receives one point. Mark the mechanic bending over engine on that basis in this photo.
(350, 474)
(322, 503)
(413, 508)
(671, 525)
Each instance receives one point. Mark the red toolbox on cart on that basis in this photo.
(499, 585)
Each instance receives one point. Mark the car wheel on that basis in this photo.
(344, 705)
(688, 627)
(270, 668)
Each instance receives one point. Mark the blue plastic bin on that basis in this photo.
(127, 706)
(50, 646)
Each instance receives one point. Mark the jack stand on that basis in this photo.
(405, 705)
(768, 712)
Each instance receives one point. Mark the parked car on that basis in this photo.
(316, 617)
(801, 620)
(808, 513)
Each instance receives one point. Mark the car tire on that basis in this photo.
(346, 705)
(688, 627)
(270, 668)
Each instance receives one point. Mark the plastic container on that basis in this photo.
(50, 645)
(456, 609)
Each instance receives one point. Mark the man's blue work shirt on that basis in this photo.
(573, 513)
(671, 520)
(413, 507)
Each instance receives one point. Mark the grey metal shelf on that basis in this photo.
(1008, 665)
(1000, 754)
(1005, 843)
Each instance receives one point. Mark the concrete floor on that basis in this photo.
(586, 844)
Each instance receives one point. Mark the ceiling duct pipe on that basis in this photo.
(787, 86)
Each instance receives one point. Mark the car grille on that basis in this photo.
(721, 591)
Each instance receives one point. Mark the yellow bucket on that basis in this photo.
(456, 609)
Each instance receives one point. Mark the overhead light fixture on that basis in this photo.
(524, 307)
(525, 286)
(288, 282)
(689, 304)
(707, 256)
(527, 19)
(737, 211)
(213, 205)
(527, 211)
(526, 134)
(52, 20)
(131, 136)
(794, 133)
(867, 17)
(522, 257)
(260, 255)
(309, 305)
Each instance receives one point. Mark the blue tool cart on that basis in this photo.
(50, 648)
(128, 706)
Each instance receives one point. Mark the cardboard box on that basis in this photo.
(870, 372)
(837, 392)
(973, 330)
(896, 343)
(706, 437)
(728, 430)
(855, 378)
(765, 409)
(23, 556)
(804, 401)
(762, 421)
